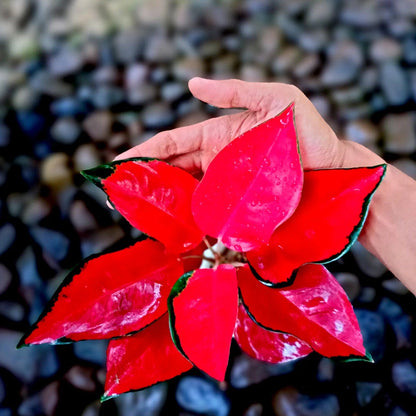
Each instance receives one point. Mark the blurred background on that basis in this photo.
(82, 80)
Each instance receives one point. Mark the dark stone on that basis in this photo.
(247, 371)
(201, 396)
(68, 107)
(409, 46)
(53, 243)
(159, 49)
(44, 83)
(313, 41)
(31, 406)
(66, 130)
(374, 334)
(12, 310)
(7, 237)
(394, 83)
(105, 75)
(4, 135)
(81, 378)
(158, 116)
(5, 278)
(92, 351)
(255, 409)
(404, 377)
(106, 96)
(31, 123)
(289, 401)
(128, 46)
(147, 402)
(142, 94)
(399, 132)
(366, 391)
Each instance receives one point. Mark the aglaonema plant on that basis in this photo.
(269, 289)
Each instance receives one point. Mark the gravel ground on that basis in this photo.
(83, 80)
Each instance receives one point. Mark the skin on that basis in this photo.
(390, 229)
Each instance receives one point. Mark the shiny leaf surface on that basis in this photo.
(315, 309)
(110, 295)
(203, 310)
(143, 359)
(326, 223)
(154, 197)
(252, 185)
(264, 345)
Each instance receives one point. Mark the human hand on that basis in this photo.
(193, 147)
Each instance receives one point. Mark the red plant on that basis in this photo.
(278, 224)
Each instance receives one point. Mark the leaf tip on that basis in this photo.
(107, 396)
(98, 173)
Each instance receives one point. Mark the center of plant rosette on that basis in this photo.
(238, 255)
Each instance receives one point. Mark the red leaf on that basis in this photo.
(273, 347)
(154, 197)
(203, 310)
(327, 221)
(315, 309)
(110, 295)
(252, 185)
(143, 359)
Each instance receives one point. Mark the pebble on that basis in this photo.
(362, 131)
(289, 401)
(81, 217)
(100, 240)
(70, 106)
(6, 278)
(55, 171)
(53, 243)
(65, 62)
(43, 82)
(159, 49)
(7, 237)
(92, 351)
(399, 132)
(128, 46)
(395, 286)
(98, 125)
(107, 96)
(81, 378)
(326, 370)
(313, 41)
(320, 13)
(142, 95)
(394, 84)
(404, 377)
(367, 262)
(306, 66)
(203, 397)
(385, 49)
(66, 130)
(373, 329)
(366, 391)
(173, 91)
(247, 371)
(350, 283)
(186, 68)
(105, 75)
(4, 135)
(147, 402)
(158, 116)
(135, 75)
(409, 50)
(286, 60)
(255, 409)
(50, 397)
(12, 310)
(361, 14)
(25, 98)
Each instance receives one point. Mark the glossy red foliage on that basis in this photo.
(264, 345)
(327, 221)
(315, 309)
(203, 311)
(143, 359)
(154, 197)
(110, 296)
(252, 185)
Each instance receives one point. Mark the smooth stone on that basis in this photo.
(5, 278)
(409, 48)
(158, 116)
(401, 323)
(35, 211)
(44, 83)
(27, 270)
(313, 41)
(385, 49)
(366, 391)
(173, 91)
(306, 66)
(92, 351)
(186, 68)
(326, 370)
(374, 334)
(86, 156)
(7, 237)
(54, 243)
(395, 286)
(12, 310)
(252, 73)
(4, 135)
(65, 62)
(408, 166)
(50, 397)
(31, 123)
(141, 95)
(350, 283)
(105, 75)
(255, 409)
(2, 390)
(320, 13)
(98, 125)
(369, 79)
(26, 363)
(25, 98)
(81, 217)
(247, 371)
(398, 411)
(347, 95)
(154, 13)
(290, 27)
(55, 171)
(322, 104)
(65, 130)
(288, 401)
(404, 377)
(128, 46)
(394, 83)
(107, 96)
(147, 402)
(135, 75)
(286, 60)
(81, 378)
(23, 46)
(159, 49)
(367, 262)
(30, 406)
(101, 240)
(362, 131)
(399, 132)
(68, 107)
(361, 14)
(201, 396)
